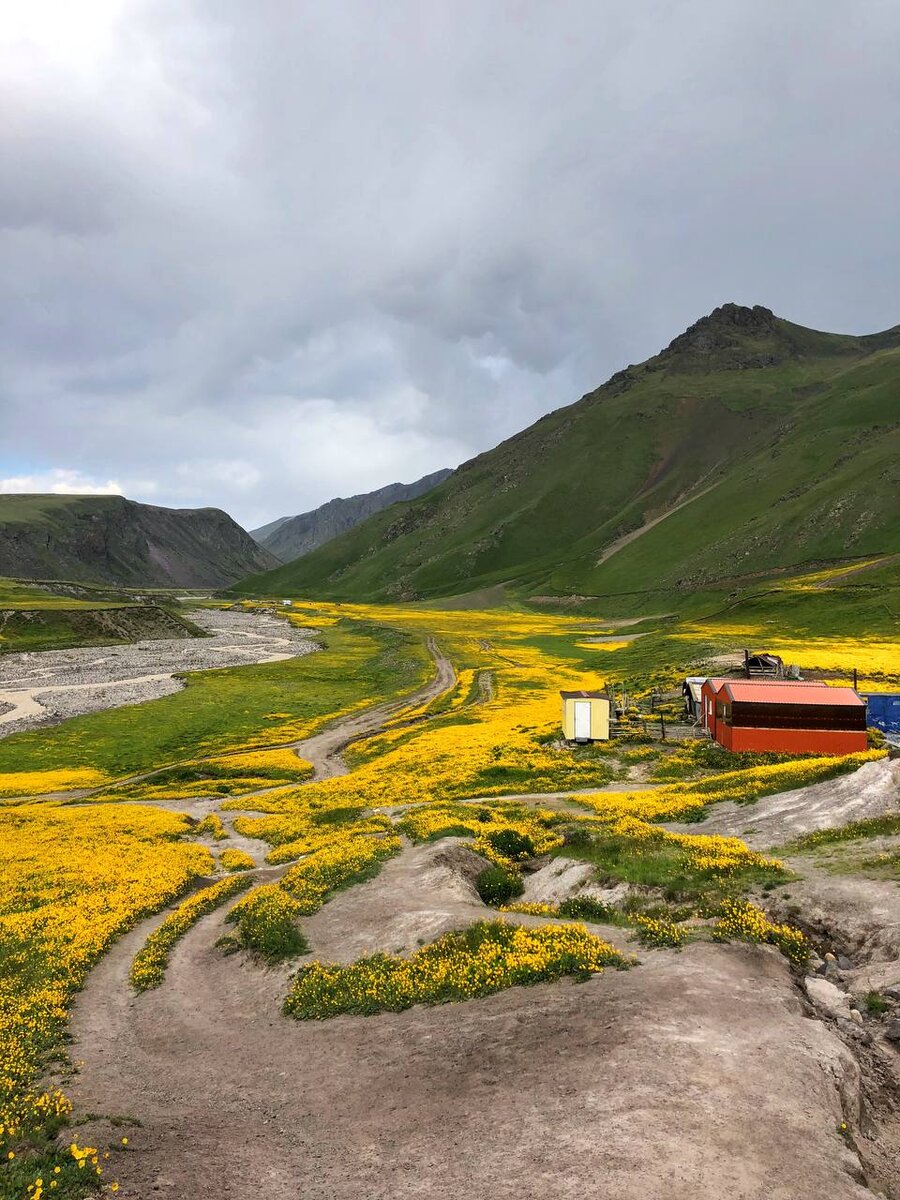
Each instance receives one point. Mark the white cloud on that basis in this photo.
(62, 482)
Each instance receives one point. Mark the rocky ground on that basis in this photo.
(46, 687)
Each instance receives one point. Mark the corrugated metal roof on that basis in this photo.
(584, 695)
(782, 692)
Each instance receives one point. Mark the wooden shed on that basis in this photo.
(784, 717)
(585, 716)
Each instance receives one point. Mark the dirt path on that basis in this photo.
(627, 538)
(324, 749)
(696, 1075)
(650, 1084)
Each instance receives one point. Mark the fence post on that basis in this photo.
(662, 724)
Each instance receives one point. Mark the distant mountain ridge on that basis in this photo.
(108, 539)
(748, 444)
(290, 537)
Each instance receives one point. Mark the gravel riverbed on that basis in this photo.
(46, 687)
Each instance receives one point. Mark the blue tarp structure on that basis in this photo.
(884, 711)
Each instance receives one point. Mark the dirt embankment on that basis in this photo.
(871, 791)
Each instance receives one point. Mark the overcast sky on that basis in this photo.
(258, 254)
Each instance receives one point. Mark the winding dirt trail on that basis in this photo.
(650, 1084)
(324, 750)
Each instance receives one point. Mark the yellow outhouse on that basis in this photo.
(585, 716)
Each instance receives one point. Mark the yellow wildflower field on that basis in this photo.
(74, 878)
(42, 783)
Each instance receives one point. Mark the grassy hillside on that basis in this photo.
(108, 539)
(748, 444)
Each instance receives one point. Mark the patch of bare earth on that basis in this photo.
(851, 914)
(698, 1074)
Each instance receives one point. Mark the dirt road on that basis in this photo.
(324, 750)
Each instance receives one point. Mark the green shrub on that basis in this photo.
(586, 908)
(512, 844)
(578, 836)
(336, 816)
(496, 885)
(265, 922)
(877, 1004)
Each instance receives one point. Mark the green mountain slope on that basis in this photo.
(108, 539)
(748, 444)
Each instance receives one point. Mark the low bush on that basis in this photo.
(211, 826)
(511, 844)
(586, 908)
(265, 922)
(658, 931)
(497, 885)
(744, 921)
(877, 1004)
(236, 860)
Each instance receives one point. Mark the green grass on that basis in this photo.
(663, 867)
(66, 624)
(224, 709)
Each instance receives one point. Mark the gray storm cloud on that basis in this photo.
(256, 255)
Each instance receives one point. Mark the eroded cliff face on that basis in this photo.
(108, 539)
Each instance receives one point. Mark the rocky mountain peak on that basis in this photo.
(739, 336)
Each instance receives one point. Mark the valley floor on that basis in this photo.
(712, 1065)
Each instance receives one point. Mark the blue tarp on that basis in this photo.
(884, 710)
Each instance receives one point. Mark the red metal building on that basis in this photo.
(784, 717)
